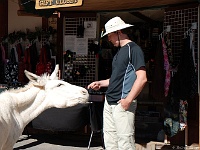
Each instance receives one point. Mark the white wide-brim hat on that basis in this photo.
(115, 24)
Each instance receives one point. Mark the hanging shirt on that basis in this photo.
(185, 86)
(166, 67)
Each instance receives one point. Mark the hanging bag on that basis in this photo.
(2, 63)
(25, 64)
(11, 69)
(40, 67)
(50, 64)
(48, 61)
(43, 66)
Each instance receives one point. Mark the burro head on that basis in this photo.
(57, 93)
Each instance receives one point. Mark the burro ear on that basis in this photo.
(54, 74)
(31, 76)
(35, 79)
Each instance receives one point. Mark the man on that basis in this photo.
(126, 82)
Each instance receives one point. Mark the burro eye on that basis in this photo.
(84, 92)
(60, 84)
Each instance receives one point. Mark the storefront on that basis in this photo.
(153, 21)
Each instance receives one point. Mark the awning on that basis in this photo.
(103, 5)
(116, 5)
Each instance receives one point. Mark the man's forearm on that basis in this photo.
(104, 83)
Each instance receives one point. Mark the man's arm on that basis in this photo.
(96, 85)
(136, 88)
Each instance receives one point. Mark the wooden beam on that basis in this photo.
(183, 6)
(3, 18)
(24, 13)
(143, 17)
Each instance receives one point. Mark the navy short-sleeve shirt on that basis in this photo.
(123, 73)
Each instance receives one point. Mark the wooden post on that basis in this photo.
(186, 135)
(199, 67)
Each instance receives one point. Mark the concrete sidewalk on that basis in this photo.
(57, 142)
(41, 140)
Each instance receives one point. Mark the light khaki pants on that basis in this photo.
(118, 127)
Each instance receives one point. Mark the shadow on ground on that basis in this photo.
(59, 139)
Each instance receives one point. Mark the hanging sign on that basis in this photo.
(81, 46)
(90, 29)
(47, 4)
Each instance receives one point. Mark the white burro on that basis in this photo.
(20, 106)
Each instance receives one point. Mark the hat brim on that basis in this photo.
(116, 29)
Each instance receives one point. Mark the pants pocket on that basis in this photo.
(120, 108)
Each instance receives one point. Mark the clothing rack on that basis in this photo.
(189, 32)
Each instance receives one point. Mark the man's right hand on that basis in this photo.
(94, 85)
